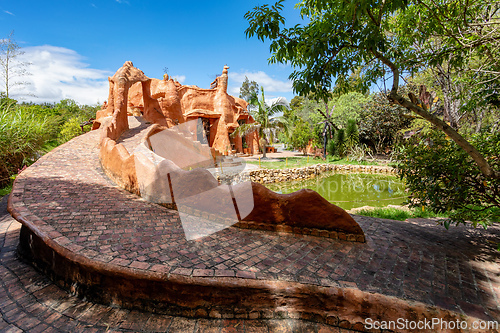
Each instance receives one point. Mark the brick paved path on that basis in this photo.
(67, 195)
(30, 302)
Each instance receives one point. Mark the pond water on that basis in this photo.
(351, 190)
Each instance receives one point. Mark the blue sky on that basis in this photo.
(74, 45)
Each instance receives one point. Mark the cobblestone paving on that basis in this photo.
(68, 197)
(30, 302)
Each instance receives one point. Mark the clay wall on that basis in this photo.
(168, 103)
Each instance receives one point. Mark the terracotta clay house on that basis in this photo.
(167, 102)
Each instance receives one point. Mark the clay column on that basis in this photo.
(238, 143)
(222, 106)
(111, 97)
(120, 109)
(171, 106)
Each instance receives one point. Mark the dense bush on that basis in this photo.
(70, 129)
(22, 135)
(442, 176)
(330, 148)
(351, 134)
(339, 140)
(302, 134)
(380, 122)
(27, 131)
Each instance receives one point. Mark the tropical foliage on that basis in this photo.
(12, 69)
(442, 177)
(266, 120)
(27, 131)
(22, 135)
(393, 36)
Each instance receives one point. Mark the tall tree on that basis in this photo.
(11, 68)
(380, 122)
(266, 121)
(248, 89)
(301, 135)
(296, 105)
(379, 36)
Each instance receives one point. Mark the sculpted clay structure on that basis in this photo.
(165, 167)
(168, 103)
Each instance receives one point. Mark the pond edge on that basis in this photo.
(266, 176)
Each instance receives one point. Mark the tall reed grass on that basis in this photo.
(22, 134)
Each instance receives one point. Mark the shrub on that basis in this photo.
(29, 130)
(340, 142)
(441, 176)
(330, 148)
(70, 129)
(351, 133)
(22, 134)
(399, 214)
(380, 122)
(358, 153)
(301, 135)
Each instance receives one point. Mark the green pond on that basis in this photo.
(351, 190)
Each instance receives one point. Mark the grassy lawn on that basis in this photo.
(398, 214)
(302, 161)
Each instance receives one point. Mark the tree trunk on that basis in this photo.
(451, 103)
(325, 139)
(481, 162)
(393, 97)
(263, 145)
(479, 120)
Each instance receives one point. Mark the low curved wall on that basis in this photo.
(265, 176)
(118, 164)
(216, 297)
(301, 212)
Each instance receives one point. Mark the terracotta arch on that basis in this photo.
(119, 85)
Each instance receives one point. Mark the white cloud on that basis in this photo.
(263, 80)
(59, 73)
(7, 12)
(280, 100)
(179, 78)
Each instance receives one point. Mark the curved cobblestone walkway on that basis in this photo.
(67, 192)
(30, 302)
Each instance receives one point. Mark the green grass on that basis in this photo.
(49, 145)
(29, 131)
(302, 161)
(22, 134)
(6, 190)
(398, 214)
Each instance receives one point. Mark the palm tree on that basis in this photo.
(265, 122)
